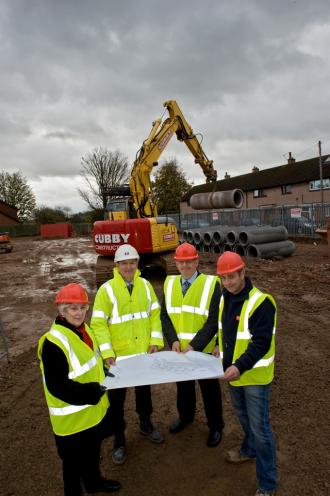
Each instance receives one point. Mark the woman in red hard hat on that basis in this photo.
(72, 370)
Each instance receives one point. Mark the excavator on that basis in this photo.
(5, 244)
(132, 214)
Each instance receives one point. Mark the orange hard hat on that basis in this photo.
(229, 262)
(186, 251)
(72, 293)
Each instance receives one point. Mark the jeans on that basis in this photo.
(251, 404)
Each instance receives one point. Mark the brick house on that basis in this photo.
(8, 215)
(294, 183)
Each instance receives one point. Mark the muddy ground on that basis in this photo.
(183, 465)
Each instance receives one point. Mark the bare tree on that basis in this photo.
(102, 169)
(15, 190)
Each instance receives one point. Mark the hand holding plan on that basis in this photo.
(162, 367)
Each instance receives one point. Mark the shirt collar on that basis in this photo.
(191, 279)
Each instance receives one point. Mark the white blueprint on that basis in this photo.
(161, 367)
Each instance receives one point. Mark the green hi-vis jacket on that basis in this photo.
(85, 365)
(189, 313)
(263, 371)
(126, 324)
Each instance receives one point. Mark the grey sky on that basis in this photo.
(252, 76)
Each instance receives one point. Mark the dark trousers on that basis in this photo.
(211, 393)
(143, 406)
(80, 455)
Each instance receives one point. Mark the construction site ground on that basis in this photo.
(183, 465)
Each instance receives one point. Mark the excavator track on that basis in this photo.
(168, 263)
(104, 270)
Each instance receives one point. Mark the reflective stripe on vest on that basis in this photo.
(67, 410)
(78, 369)
(100, 314)
(105, 346)
(245, 334)
(85, 365)
(119, 319)
(261, 363)
(201, 310)
(124, 357)
(189, 312)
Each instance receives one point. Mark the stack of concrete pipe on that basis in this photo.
(250, 241)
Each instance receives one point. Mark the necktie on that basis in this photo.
(130, 287)
(185, 287)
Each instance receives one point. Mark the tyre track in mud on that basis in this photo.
(183, 466)
(43, 266)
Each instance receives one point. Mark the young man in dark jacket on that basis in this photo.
(247, 322)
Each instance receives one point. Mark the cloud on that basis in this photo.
(251, 77)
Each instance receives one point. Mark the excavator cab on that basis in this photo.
(117, 210)
(120, 209)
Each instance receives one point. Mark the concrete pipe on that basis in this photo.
(233, 198)
(201, 201)
(198, 247)
(206, 248)
(219, 237)
(217, 249)
(207, 238)
(269, 250)
(218, 199)
(190, 237)
(227, 247)
(185, 235)
(198, 237)
(263, 234)
(232, 236)
(213, 234)
(240, 250)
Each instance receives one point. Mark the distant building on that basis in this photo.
(293, 183)
(8, 215)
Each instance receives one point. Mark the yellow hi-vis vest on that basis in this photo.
(263, 371)
(85, 365)
(189, 313)
(126, 324)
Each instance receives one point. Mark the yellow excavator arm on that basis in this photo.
(153, 146)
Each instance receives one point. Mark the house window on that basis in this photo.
(316, 185)
(286, 189)
(258, 193)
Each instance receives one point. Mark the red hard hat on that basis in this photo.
(72, 293)
(186, 251)
(229, 262)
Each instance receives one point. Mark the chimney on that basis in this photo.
(255, 169)
(291, 160)
(227, 176)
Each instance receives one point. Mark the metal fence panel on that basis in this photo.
(298, 219)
